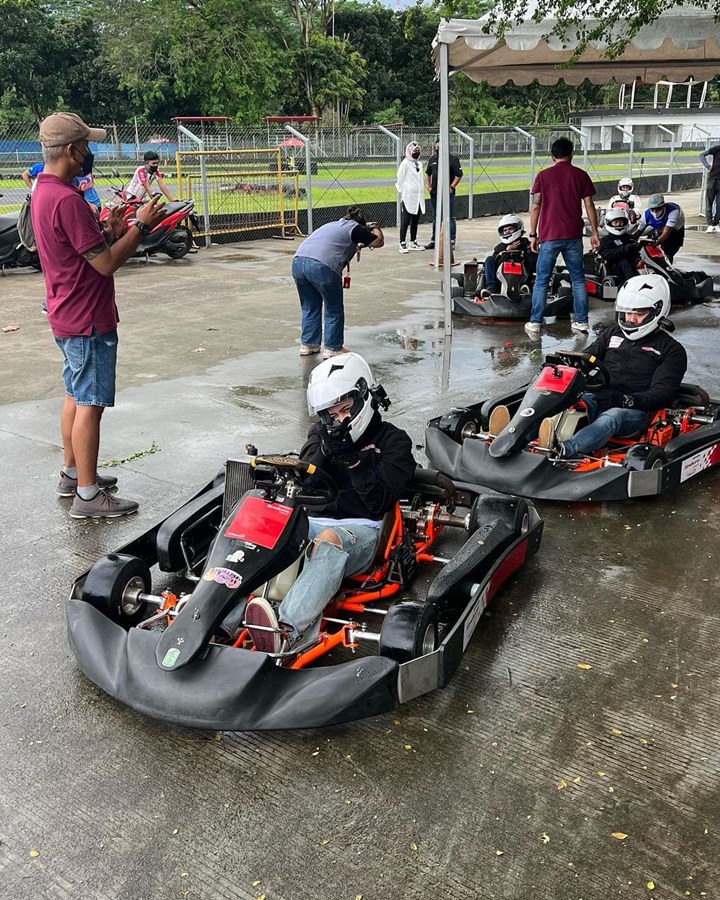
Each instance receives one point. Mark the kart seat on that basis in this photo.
(691, 395)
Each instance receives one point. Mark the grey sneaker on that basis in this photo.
(102, 506)
(309, 349)
(532, 330)
(262, 623)
(328, 353)
(67, 486)
(580, 328)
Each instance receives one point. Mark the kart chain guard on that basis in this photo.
(225, 582)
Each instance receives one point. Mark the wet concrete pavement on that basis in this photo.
(587, 705)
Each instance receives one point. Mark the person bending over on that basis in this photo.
(618, 248)
(512, 240)
(372, 463)
(667, 220)
(646, 368)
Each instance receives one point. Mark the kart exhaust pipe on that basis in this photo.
(698, 419)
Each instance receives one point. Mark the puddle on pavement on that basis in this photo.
(239, 257)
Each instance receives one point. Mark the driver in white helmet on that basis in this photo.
(371, 462)
(512, 240)
(618, 248)
(646, 367)
(626, 194)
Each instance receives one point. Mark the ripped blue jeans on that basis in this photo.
(323, 573)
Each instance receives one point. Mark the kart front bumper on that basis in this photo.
(533, 475)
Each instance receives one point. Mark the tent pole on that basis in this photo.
(444, 170)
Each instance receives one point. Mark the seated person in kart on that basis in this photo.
(512, 240)
(625, 194)
(646, 367)
(618, 248)
(667, 220)
(371, 462)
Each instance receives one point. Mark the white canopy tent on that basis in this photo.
(683, 43)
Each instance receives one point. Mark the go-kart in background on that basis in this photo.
(586, 707)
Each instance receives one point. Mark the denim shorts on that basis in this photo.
(89, 368)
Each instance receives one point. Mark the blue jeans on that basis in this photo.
(318, 284)
(490, 273)
(572, 252)
(89, 367)
(434, 206)
(323, 573)
(614, 422)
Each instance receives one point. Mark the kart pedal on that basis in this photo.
(403, 563)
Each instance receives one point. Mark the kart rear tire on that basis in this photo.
(409, 630)
(459, 424)
(110, 584)
(179, 243)
(643, 457)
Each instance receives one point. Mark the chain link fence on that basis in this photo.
(352, 166)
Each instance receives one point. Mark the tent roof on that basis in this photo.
(291, 142)
(683, 43)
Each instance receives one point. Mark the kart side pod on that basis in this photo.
(555, 388)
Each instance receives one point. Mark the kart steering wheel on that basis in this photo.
(595, 371)
(290, 468)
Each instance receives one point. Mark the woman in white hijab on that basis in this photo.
(411, 187)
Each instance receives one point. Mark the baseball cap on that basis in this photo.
(655, 200)
(64, 128)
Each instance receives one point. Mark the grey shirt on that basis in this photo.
(335, 244)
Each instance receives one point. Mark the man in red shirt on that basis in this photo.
(559, 194)
(78, 259)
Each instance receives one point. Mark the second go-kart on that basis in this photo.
(388, 636)
(677, 442)
(512, 302)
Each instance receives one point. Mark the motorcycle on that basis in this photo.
(170, 236)
(13, 254)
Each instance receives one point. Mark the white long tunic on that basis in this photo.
(410, 185)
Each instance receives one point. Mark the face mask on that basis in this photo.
(153, 167)
(88, 161)
(80, 162)
(416, 154)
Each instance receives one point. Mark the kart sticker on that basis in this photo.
(528, 411)
(259, 521)
(170, 658)
(473, 617)
(227, 577)
(699, 461)
(236, 557)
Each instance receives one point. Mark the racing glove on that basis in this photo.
(339, 450)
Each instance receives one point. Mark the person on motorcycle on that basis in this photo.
(371, 462)
(646, 367)
(512, 240)
(147, 178)
(618, 248)
(667, 220)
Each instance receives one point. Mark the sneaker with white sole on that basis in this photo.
(67, 486)
(415, 246)
(328, 353)
(262, 623)
(546, 434)
(710, 228)
(403, 247)
(102, 506)
(580, 327)
(532, 330)
(499, 420)
(309, 349)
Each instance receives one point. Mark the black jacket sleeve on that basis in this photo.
(666, 380)
(612, 252)
(381, 486)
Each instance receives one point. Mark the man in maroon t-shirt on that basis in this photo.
(78, 259)
(559, 194)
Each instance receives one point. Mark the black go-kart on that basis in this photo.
(393, 633)
(686, 288)
(676, 443)
(512, 303)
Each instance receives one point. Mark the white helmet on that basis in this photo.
(516, 222)
(339, 378)
(615, 214)
(625, 186)
(643, 292)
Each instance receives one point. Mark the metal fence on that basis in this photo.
(342, 167)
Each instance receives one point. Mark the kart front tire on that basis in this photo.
(409, 630)
(112, 586)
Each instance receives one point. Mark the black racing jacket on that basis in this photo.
(651, 368)
(614, 247)
(372, 488)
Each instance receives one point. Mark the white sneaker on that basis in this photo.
(580, 328)
(710, 228)
(403, 247)
(532, 330)
(415, 246)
